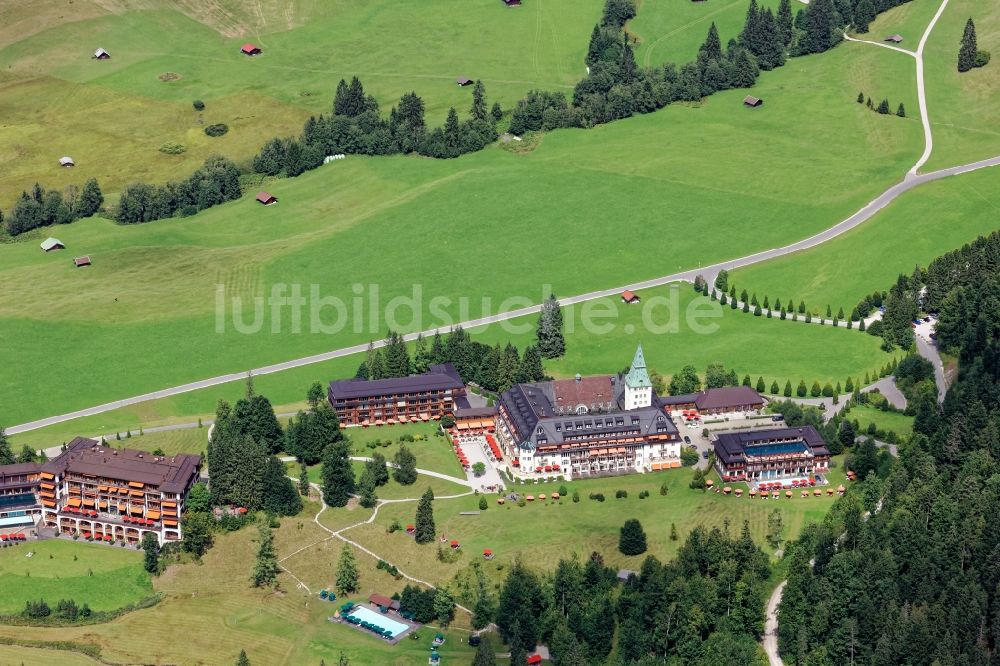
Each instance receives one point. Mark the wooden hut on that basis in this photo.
(66, 161)
(80, 262)
(752, 101)
(250, 49)
(101, 54)
(266, 198)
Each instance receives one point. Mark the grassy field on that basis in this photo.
(672, 30)
(113, 115)
(171, 442)
(681, 156)
(739, 340)
(963, 109)
(908, 20)
(105, 577)
(742, 341)
(897, 422)
(919, 226)
(217, 612)
(28, 656)
(542, 532)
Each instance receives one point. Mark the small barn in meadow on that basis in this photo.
(895, 39)
(630, 297)
(463, 81)
(250, 49)
(752, 101)
(50, 244)
(66, 161)
(101, 54)
(80, 262)
(266, 198)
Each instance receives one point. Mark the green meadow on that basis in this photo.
(737, 339)
(897, 422)
(214, 608)
(919, 226)
(112, 116)
(964, 113)
(103, 577)
(677, 327)
(492, 224)
(541, 532)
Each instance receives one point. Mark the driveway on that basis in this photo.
(887, 387)
(475, 449)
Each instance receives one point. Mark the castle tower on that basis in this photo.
(638, 387)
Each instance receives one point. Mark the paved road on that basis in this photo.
(854, 220)
(887, 387)
(929, 351)
(770, 640)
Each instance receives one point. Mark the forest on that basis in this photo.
(907, 570)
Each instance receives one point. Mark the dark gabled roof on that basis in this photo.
(730, 446)
(474, 412)
(437, 378)
(684, 399)
(728, 396)
(17, 469)
(169, 474)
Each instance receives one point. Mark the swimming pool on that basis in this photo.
(362, 613)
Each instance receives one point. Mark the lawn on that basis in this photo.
(217, 612)
(963, 109)
(104, 577)
(908, 20)
(743, 342)
(542, 532)
(171, 442)
(143, 332)
(391, 490)
(777, 350)
(919, 226)
(121, 111)
(897, 422)
(672, 30)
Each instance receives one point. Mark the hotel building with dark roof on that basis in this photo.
(97, 490)
(587, 426)
(771, 455)
(365, 402)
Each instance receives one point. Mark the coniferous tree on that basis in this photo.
(864, 14)
(883, 107)
(366, 489)
(632, 538)
(485, 655)
(347, 571)
(303, 480)
(279, 495)
(90, 200)
(549, 332)
(901, 111)
(421, 355)
(265, 569)
(243, 660)
(338, 474)
(785, 22)
(478, 110)
(424, 530)
(969, 48)
(151, 551)
(405, 471)
(379, 471)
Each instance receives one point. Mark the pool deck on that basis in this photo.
(411, 626)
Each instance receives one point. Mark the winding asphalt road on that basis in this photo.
(858, 218)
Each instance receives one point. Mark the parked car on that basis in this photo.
(778, 417)
(687, 440)
(927, 320)
(705, 454)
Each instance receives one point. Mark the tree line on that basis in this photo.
(43, 208)
(215, 182)
(704, 607)
(495, 368)
(918, 581)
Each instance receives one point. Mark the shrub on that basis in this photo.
(198, 105)
(483, 504)
(664, 488)
(597, 497)
(620, 494)
(218, 129)
(689, 457)
(172, 148)
(632, 538)
(563, 491)
(576, 496)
